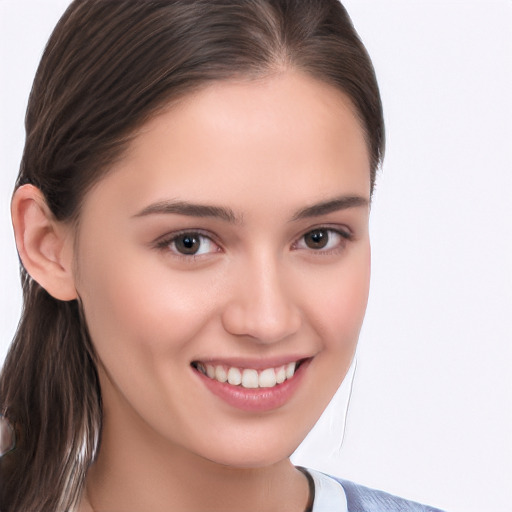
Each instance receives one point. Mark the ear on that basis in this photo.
(44, 244)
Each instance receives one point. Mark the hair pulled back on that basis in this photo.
(109, 66)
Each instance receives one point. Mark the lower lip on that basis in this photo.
(258, 399)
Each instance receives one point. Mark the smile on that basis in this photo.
(248, 378)
(256, 387)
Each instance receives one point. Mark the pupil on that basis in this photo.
(317, 239)
(187, 244)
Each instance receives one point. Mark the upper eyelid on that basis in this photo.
(166, 239)
(337, 228)
(165, 242)
(345, 233)
(169, 237)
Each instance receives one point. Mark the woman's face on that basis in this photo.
(231, 240)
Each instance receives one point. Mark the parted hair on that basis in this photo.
(110, 66)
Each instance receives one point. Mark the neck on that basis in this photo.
(137, 469)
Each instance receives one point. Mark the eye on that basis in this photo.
(323, 239)
(189, 244)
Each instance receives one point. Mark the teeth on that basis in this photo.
(210, 371)
(201, 368)
(267, 378)
(248, 377)
(235, 377)
(290, 370)
(220, 374)
(280, 375)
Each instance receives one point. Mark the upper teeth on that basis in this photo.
(247, 377)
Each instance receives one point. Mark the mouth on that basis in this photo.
(254, 387)
(249, 378)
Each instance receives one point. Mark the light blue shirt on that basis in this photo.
(337, 495)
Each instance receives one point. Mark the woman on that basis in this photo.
(192, 218)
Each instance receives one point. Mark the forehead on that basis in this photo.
(281, 136)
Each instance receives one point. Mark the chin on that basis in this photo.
(256, 462)
(258, 455)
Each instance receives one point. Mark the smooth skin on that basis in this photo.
(278, 268)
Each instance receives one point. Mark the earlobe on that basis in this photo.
(44, 244)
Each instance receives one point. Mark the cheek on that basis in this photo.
(342, 304)
(337, 309)
(139, 307)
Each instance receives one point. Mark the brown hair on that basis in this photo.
(108, 67)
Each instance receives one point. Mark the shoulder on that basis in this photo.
(364, 499)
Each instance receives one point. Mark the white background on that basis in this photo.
(430, 416)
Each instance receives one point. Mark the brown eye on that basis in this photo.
(323, 240)
(317, 239)
(187, 243)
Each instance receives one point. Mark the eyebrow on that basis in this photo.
(228, 215)
(190, 210)
(330, 206)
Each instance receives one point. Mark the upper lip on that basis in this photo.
(256, 364)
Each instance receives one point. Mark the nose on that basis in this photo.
(262, 304)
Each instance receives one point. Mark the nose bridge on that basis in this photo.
(262, 305)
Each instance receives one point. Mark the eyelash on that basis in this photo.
(167, 242)
(344, 236)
